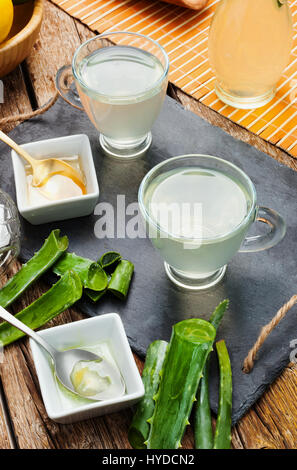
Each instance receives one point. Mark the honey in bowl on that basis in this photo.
(57, 188)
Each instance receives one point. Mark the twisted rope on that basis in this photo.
(249, 361)
(25, 116)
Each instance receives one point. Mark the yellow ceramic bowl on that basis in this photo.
(23, 34)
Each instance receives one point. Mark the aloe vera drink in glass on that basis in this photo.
(249, 47)
(122, 80)
(197, 210)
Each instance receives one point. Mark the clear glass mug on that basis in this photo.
(249, 46)
(200, 263)
(121, 79)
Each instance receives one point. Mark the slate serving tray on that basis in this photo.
(256, 284)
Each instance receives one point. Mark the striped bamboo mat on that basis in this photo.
(184, 33)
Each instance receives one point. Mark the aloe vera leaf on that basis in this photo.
(203, 426)
(53, 247)
(121, 278)
(109, 260)
(222, 438)
(58, 298)
(139, 428)
(190, 343)
(91, 274)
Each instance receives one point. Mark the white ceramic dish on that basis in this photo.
(57, 210)
(94, 330)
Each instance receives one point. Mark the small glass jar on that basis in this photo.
(10, 231)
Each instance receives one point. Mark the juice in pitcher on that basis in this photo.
(249, 47)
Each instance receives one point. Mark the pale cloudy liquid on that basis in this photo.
(69, 400)
(218, 205)
(124, 102)
(249, 45)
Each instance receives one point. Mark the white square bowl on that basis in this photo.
(91, 331)
(57, 210)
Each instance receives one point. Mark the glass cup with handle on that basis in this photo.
(121, 79)
(198, 210)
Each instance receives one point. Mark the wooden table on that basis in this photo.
(271, 423)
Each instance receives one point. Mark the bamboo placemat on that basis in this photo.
(184, 33)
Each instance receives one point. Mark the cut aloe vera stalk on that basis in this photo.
(203, 426)
(121, 278)
(58, 298)
(222, 438)
(190, 344)
(91, 274)
(93, 295)
(109, 260)
(139, 429)
(53, 247)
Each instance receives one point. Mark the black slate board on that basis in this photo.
(256, 284)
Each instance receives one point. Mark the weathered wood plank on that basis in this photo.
(6, 441)
(16, 100)
(57, 42)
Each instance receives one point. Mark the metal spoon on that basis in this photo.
(44, 169)
(64, 361)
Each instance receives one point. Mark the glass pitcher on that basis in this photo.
(249, 46)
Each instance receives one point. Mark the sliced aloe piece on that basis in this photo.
(120, 280)
(140, 428)
(109, 260)
(91, 274)
(95, 296)
(53, 247)
(58, 298)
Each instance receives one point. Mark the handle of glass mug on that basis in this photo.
(64, 80)
(277, 231)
